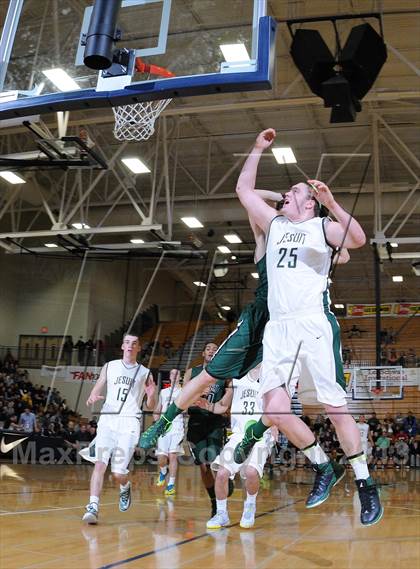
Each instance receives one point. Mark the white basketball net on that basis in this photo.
(137, 121)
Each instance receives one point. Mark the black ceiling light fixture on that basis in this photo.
(343, 79)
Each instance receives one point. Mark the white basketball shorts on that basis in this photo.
(116, 439)
(304, 352)
(256, 459)
(170, 443)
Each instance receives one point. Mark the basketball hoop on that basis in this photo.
(137, 121)
(377, 391)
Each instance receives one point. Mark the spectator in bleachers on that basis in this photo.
(392, 336)
(68, 350)
(373, 422)
(355, 332)
(70, 438)
(94, 422)
(399, 421)
(410, 425)
(27, 421)
(381, 449)
(414, 453)
(3, 414)
(10, 409)
(89, 347)
(319, 423)
(11, 424)
(9, 360)
(392, 358)
(402, 360)
(384, 357)
(411, 358)
(80, 346)
(167, 346)
(399, 435)
(26, 397)
(48, 430)
(346, 353)
(389, 425)
(92, 431)
(83, 437)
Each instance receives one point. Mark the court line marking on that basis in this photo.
(191, 539)
(54, 509)
(51, 509)
(39, 491)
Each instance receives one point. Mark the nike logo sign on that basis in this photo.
(7, 447)
(318, 337)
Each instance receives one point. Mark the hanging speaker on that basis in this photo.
(313, 58)
(362, 58)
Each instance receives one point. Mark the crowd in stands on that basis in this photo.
(392, 440)
(389, 356)
(29, 408)
(86, 353)
(165, 348)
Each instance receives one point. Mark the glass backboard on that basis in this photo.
(210, 45)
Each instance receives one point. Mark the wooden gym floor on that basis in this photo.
(41, 509)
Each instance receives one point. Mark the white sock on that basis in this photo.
(124, 487)
(221, 505)
(94, 500)
(163, 470)
(315, 454)
(171, 480)
(359, 466)
(251, 498)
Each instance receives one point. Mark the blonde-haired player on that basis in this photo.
(169, 445)
(302, 340)
(127, 383)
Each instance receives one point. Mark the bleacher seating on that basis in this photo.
(363, 347)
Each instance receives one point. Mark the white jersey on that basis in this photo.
(364, 432)
(298, 263)
(246, 405)
(166, 397)
(125, 388)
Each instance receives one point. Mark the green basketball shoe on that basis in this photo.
(244, 448)
(150, 436)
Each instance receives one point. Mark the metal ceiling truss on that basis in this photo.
(74, 200)
(404, 154)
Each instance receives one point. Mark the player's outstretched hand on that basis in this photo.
(150, 388)
(323, 195)
(265, 138)
(93, 398)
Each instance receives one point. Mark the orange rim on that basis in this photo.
(142, 67)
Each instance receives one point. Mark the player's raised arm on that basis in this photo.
(158, 409)
(346, 231)
(150, 389)
(258, 210)
(95, 394)
(268, 195)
